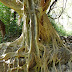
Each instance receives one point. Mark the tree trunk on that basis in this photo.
(39, 48)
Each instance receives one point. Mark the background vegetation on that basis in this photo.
(13, 31)
(11, 27)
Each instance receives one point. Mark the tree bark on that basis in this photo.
(14, 4)
(39, 47)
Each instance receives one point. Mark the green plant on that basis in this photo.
(11, 27)
(59, 28)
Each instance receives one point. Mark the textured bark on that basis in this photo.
(14, 4)
(39, 48)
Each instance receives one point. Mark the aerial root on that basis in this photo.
(42, 62)
(13, 54)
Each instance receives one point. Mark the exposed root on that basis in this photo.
(48, 58)
(15, 57)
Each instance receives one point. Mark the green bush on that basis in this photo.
(11, 27)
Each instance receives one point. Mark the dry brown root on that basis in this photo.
(48, 58)
(51, 54)
(11, 46)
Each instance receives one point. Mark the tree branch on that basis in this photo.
(51, 6)
(16, 5)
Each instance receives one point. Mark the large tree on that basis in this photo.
(39, 47)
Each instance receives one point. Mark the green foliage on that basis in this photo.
(14, 29)
(4, 13)
(11, 27)
(59, 28)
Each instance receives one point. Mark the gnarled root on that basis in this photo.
(48, 58)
